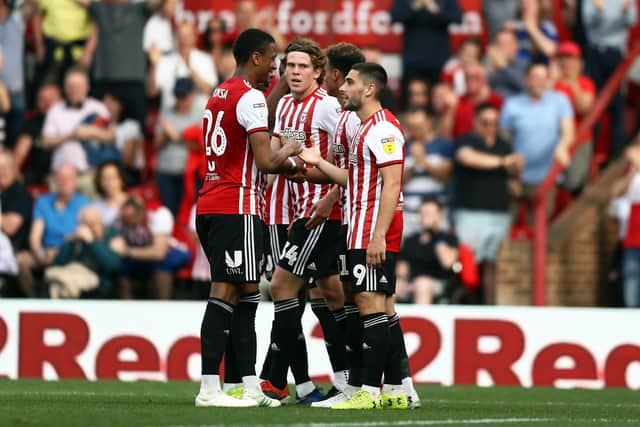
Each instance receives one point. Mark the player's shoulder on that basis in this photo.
(383, 123)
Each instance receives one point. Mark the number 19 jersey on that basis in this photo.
(233, 184)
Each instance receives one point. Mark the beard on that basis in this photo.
(353, 105)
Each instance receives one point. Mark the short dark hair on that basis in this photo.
(343, 56)
(249, 41)
(532, 65)
(98, 176)
(431, 200)
(482, 107)
(373, 73)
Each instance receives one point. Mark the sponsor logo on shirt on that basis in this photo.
(297, 135)
(389, 144)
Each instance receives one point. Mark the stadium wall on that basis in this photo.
(515, 346)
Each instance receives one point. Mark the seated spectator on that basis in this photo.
(418, 92)
(581, 91)
(15, 203)
(539, 124)
(171, 145)
(147, 249)
(506, 69)
(455, 117)
(111, 187)
(478, 89)
(469, 53)
(158, 33)
(424, 268)
(185, 62)
(70, 122)
(537, 34)
(85, 264)
(428, 165)
(128, 139)
(55, 216)
(31, 155)
(8, 268)
(484, 163)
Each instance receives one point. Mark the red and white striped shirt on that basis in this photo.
(314, 116)
(378, 143)
(279, 206)
(233, 184)
(346, 129)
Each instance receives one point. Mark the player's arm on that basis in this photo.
(334, 173)
(391, 187)
(273, 161)
(316, 176)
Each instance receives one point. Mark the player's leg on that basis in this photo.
(275, 241)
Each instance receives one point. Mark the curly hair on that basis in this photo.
(311, 48)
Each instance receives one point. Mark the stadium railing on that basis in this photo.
(540, 220)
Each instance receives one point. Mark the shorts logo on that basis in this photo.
(312, 266)
(383, 280)
(389, 144)
(234, 262)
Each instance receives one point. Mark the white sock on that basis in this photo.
(407, 384)
(305, 389)
(373, 391)
(350, 390)
(209, 383)
(251, 381)
(340, 380)
(392, 390)
(230, 386)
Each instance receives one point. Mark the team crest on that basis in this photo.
(389, 144)
(303, 117)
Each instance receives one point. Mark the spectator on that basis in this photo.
(15, 203)
(118, 31)
(201, 271)
(426, 260)
(8, 268)
(66, 126)
(478, 89)
(469, 53)
(581, 91)
(60, 40)
(372, 54)
(30, 149)
(147, 248)
(5, 108)
(158, 33)
(171, 145)
(455, 117)
(540, 125)
(537, 34)
(247, 16)
(507, 70)
(426, 29)
(187, 61)
(85, 265)
(12, 28)
(227, 65)
(428, 165)
(111, 187)
(213, 41)
(55, 216)
(417, 93)
(606, 27)
(127, 138)
(498, 12)
(484, 162)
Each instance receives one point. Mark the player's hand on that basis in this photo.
(311, 156)
(376, 252)
(562, 155)
(320, 212)
(291, 147)
(118, 245)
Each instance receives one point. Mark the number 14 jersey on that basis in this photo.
(233, 184)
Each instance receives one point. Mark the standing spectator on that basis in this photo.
(128, 139)
(426, 259)
(540, 125)
(507, 70)
(537, 34)
(484, 162)
(120, 63)
(469, 53)
(171, 145)
(30, 152)
(111, 187)
(60, 39)
(15, 203)
(606, 26)
(12, 28)
(417, 93)
(67, 125)
(581, 91)
(55, 216)
(498, 12)
(455, 117)
(5, 108)
(426, 30)
(85, 264)
(428, 165)
(213, 41)
(187, 61)
(147, 248)
(158, 33)
(478, 89)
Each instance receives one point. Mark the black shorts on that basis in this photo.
(365, 279)
(341, 255)
(277, 235)
(311, 253)
(234, 245)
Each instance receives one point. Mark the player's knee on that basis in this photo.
(224, 291)
(284, 285)
(370, 302)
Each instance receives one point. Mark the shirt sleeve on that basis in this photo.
(161, 221)
(277, 128)
(49, 127)
(566, 111)
(38, 208)
(252, 112)
(506, 116)
(328, 120)
(386, 142)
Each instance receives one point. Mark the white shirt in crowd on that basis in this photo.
(158, 31)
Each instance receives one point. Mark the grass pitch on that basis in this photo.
(26, 403)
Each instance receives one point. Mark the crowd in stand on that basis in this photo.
(100, 113)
